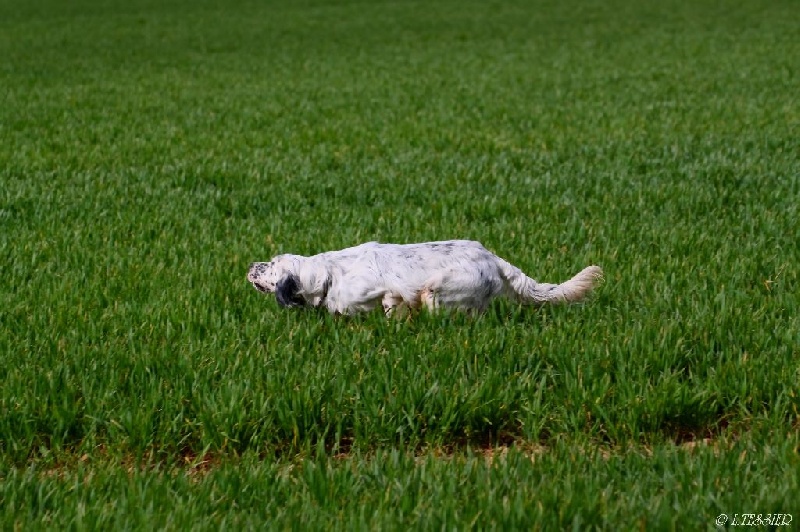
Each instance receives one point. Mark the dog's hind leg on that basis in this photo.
(461, 289)
(428, 298)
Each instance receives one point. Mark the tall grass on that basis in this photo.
(150, 151)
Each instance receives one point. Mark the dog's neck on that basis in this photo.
(324, 298)
(315, 280)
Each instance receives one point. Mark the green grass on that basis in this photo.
(562, 488)
(149, 151)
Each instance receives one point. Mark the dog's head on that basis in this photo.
(278, 276)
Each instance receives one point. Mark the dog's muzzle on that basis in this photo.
(254, 274)
(259, 287)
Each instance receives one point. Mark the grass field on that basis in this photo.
(149, 151)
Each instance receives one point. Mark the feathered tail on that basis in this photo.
(528, 291)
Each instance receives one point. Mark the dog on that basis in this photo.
(453, 274)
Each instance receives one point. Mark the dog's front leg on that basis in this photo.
(392, 304)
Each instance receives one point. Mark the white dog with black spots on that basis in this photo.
(459, 274)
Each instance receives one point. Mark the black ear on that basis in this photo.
(286, 292)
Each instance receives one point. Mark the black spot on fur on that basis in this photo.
(487, 285)
(286, 292)
(445, 248)
(257, 268)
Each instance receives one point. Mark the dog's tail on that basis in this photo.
(530, 292)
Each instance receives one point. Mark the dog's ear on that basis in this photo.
(286, 292)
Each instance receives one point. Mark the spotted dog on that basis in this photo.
(458, 274)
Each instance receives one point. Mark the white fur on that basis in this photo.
(458, 274)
